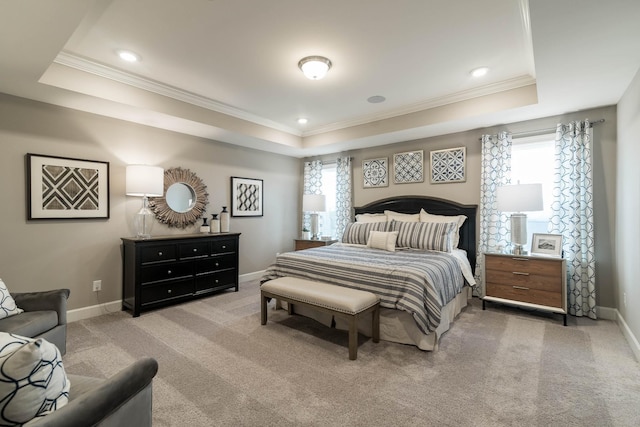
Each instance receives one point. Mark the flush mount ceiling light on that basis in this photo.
(480, 71)
(127, 55)
(314, 67)
(302, 121)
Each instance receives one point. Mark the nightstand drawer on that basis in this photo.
(524, 294)
(538, 266)
(529, 280)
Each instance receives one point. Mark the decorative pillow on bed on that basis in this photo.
(33, 382)
(371, 217)
(358, 233)
(8, 306)
(385, 240)
(460, 219)
(435, 236)
(391, 215)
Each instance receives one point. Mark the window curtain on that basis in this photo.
(312, 185)
(495, 170)
(343, 195)
(572, 213)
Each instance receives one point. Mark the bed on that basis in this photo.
(421, 291)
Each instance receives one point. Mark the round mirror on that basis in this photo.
(185, 197)
(180, 197)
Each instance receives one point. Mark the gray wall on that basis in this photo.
(39, 255)
(628, 206)
(604, 174)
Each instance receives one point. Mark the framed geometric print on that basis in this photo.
(375, 173)
(448, 165)
(65, 188)
(408, 167)
(246, 196)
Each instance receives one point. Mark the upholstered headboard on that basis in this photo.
(413, 204)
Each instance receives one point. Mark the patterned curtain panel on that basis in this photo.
(312, 185)
(495, 170)
(343, 195)
(573, 213)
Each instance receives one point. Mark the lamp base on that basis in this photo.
(315, 233)
(143, 221)
(519, 250)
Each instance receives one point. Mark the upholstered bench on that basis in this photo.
(348, 303)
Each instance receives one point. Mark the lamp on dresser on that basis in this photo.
(144, 181)
(518, 199)
(313, 203)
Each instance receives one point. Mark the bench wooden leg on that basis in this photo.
(353, 337)
(263, 309)
(375, 327)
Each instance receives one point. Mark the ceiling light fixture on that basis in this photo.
(480, 71)
(127, 55)
(314, 67)
(303, 121)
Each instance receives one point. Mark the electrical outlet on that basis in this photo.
(97, 285)
(624, 299)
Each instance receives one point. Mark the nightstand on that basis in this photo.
(526, 281)
(301, 244)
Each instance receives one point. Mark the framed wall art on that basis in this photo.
(246, 196)
(66, 188)
(375, 173)
(408, 167)
(448, 165)
(546, 244)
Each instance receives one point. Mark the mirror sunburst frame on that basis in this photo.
(165, 214)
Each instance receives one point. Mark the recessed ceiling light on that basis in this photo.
(479, 72)
(127, 55)
(376, 99)
(303, 121)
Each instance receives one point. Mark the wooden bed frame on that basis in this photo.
(435, 206)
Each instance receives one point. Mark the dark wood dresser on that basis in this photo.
(166, 270)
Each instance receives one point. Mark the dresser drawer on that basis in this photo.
(224, 245)
(193, 250)
(524, 294)
(167, 271)
(541, 267)
(215, 263)
(166, 291)
(158, 253)
(210, 282)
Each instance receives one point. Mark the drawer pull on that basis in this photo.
(168, 271)
(195, 250)
(217, 264)
(520, 287)
(224, 247)
(168, 291)
(520, 259)
(520, 273)
(216, 280)
(159, 253)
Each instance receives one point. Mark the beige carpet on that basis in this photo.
(499, 367)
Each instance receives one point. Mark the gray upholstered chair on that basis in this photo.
(123, 400)
(45, 316)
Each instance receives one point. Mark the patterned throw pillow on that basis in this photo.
(33, 382)
(425, 235)
(358, 233)
(460, 219)
(8, 306)
(385, 240)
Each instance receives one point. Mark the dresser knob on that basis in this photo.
(168, 271)
(224, 247)
(216, 280)
(217, 264)
(168, 291)
(159, 253)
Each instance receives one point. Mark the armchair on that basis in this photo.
(44, 316)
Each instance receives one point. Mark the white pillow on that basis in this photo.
(460, 219)
(8, 306)
(391, 215)
(369, 217)
(383, 240)
(33, 382)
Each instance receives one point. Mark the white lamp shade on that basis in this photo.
(313, 203)
(520, 198)
(145, 180)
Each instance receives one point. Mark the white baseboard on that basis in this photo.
(607, 313)
(628, 334)
(113, 306)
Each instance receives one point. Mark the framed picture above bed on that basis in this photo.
(448, 165)
(408, 167)
(375, 173)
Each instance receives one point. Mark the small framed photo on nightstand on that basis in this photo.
(547, 244)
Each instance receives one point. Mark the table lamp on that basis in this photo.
(144, 181)
(517, 199)
(313, 203)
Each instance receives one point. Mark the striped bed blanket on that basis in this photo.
(419, 282)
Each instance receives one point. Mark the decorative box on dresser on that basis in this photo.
(166, 270)
(301, 244)
(527, 281)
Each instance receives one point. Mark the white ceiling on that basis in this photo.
(227, 69)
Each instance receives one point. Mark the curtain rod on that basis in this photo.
(543, 131)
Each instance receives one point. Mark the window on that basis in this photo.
(327, 219)
(532, 162)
